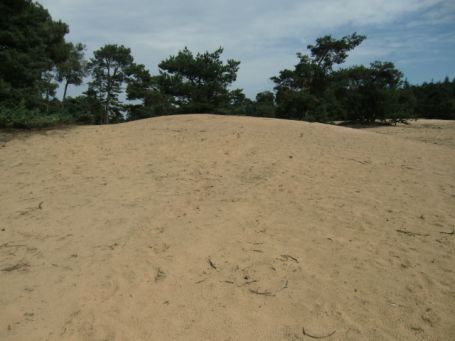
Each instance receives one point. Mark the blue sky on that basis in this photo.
(417, 35)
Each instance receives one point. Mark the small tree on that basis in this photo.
(197, 83)
(265, 104)
(109, 68)
(372, 93)
(47, 88)
(74, 69)
(305, 92)
(144, 87)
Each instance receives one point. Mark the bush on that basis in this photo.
(24, 118)
(82, 109)
(399, 117)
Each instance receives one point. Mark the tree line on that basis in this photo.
(35, 59)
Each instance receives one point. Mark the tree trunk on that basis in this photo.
(106, 108)
(109, 90)
(64, 94)
(66, 89)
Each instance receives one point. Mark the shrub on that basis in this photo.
(22, 117)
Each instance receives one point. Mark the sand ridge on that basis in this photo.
(226, 228)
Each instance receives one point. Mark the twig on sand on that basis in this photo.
(40, 206)
(212, 264)
(450, 233)
(16, 267)
(202, 280)
(286, 257)
(263, 293)
(160, 274)
(413, 234)
(315, 336)
(266, 292)
(12, 245)
(247, 283)
(285, 285)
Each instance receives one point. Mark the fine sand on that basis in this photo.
(203, 227)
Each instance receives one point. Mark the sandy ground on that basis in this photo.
(429, 131)
(207, 227)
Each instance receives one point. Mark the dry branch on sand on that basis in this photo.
(413, 234)
(449, 233)
(315, 336)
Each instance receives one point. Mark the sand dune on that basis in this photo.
(205, 227)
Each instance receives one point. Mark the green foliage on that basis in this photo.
(313, 91)
(307, 92)
(435, 100)
(84, 109)
(141, 86)
(109, 68)
(73, 69)
(264, 106)
(22, 117)
(197, 83)
(370, 94)
(31, 45)
(329, 51)
(237, 104)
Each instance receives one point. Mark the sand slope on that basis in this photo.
(207, 227)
